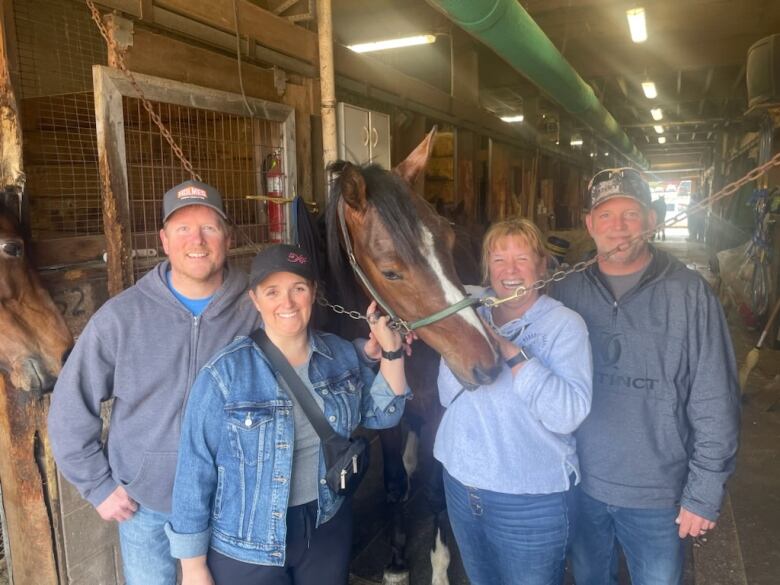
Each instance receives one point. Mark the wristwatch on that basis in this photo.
(517, 359)
(393, 355)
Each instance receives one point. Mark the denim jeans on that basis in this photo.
(508, 539)
(654, 551)
(146, 553)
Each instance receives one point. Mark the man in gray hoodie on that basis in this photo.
(661, 439)
(143, 349)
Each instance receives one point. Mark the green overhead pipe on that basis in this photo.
(505, 27)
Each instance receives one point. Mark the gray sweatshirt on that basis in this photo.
(144, 349)
(664, 424)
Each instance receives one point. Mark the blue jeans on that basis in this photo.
(653, 549)
(507, 538)
(146, 554)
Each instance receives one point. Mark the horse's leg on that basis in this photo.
(437, 506)
(440, 553)
(396, 488)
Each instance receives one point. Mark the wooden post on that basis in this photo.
(25, 459)
(26, 465)
(109, 115)
(327, 81)
(11, 173)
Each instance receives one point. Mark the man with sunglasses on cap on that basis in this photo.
(143, 349)
(661, 438)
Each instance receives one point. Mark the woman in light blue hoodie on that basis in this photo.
(507, 449)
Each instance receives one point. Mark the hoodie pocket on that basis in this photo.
(155, 476)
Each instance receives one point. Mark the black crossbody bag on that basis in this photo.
(346, 459)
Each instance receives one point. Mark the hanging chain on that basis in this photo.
(120, 59)
(728, 190)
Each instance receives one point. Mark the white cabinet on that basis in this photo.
(364, 135)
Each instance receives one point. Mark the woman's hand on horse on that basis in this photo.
(506, 347)
(388, 339)
(117, 506)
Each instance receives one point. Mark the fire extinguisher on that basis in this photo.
(274, 187)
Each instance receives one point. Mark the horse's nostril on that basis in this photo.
(66, 355)
(486, 377)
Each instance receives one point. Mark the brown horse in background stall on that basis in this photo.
(406, 250)
(34, 340)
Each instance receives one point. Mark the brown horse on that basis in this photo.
(33, 342)
(34, 337)
(405, 250)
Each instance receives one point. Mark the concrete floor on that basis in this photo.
(742, 550)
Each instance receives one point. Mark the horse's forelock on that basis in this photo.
(391, 197)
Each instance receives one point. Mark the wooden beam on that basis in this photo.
(256, 23)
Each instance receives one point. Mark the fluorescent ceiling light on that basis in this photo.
(512, 119)
(662, 140)
(393, 43)
(576, 142)
(649, 88)
(636, 24)
(659, 129)
(606, 154)
(657, 114)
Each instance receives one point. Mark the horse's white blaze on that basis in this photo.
(451, 293)
(440, 560)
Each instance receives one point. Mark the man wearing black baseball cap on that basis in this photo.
(143, 348)
(661, 438)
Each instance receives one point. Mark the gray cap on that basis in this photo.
(612, 183)
(192, 192)
(280, 258)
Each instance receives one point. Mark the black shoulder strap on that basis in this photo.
(299, 391)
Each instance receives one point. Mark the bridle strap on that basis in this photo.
(399, 323)
(356, 267)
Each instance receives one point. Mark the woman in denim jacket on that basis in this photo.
(250, 501)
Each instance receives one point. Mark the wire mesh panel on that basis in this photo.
(230, 152)
(57, 44)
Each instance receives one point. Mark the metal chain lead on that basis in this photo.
(398, 325)
(728, 190)
(120, 59)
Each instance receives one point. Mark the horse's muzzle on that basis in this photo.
(486, 377)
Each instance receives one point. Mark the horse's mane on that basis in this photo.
(391, 198)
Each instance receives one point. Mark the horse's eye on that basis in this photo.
(390, 275)
(13, 249)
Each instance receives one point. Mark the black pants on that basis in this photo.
(315, 556)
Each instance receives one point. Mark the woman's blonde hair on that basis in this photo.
(518, 227)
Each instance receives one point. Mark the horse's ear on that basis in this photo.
(352, 186)
(414, 165)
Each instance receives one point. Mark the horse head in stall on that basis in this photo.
(402, 250)
(35, 338)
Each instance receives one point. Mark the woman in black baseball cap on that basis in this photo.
(253, 502)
